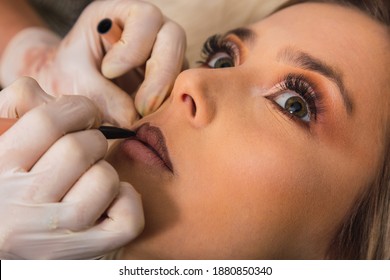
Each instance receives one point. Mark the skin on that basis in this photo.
(249, 181)
(16, 15)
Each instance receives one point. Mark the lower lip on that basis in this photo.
(138, 151)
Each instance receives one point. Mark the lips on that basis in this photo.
(148, 146)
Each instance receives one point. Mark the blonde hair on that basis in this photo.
(365, 233)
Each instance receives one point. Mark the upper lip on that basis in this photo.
(153, 138)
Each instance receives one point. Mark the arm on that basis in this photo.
(16, 15)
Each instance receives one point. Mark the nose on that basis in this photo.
(194, 96)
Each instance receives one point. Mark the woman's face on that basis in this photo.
(262, 152)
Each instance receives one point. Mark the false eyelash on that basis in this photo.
(300, 85)
(215, 44)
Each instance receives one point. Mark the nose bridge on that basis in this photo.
(199, 92)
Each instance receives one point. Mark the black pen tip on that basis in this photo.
(112, 132)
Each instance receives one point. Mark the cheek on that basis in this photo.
(273, 189)
(260, 192)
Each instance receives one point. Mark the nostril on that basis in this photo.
(190, 102)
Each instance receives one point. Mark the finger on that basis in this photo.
(78, 211)
(89, 198)
(20, 97)
(64, 163)
(125, 221)
(125, 217)
(30, 137)
(139, 33)
(162, 68)
(116, 105)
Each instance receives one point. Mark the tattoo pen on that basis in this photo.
(109, 31)
(110, 132)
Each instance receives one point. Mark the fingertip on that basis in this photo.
(122, 115)
(109, 71)
(148, 100)
(112, 70)
(128, 122)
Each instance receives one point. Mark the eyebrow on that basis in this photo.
(244, 34)
(302, 60)
(306, 61)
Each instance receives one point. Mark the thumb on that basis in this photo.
(133, 45)
(115, 104)
(125, 216)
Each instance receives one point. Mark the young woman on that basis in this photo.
(277, 147)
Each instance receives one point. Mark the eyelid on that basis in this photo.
(240, 45)
(218, 44)
(236, 46)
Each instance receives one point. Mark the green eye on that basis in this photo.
(221, 60)
(294, 104)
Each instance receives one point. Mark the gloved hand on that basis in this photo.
(79, 64)
(58, 198)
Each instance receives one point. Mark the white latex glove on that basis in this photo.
(79, 64)
(58, 198)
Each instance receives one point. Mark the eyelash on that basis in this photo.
(296, 83)
(218, 44)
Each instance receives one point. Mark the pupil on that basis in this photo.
(295, 105)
